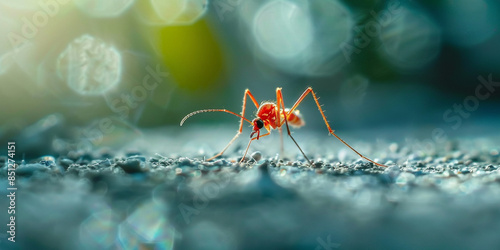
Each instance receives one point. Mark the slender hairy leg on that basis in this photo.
(247, 93)
(279, 102)
(251, 139)
(282, 148)
(310, 91)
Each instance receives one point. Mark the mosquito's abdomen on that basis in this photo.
(295, 119)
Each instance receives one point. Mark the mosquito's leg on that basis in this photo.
(282, 148)
(278, 119)
(222, 152)
(247, 93)
(279, 102)
(254, 138)
(310, 91)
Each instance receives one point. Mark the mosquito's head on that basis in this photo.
(257, 125)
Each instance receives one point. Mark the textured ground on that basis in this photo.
(159, 194)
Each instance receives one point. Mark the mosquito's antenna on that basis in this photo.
(213, 110)
(362, 156)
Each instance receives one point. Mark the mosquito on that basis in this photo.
(273, 115)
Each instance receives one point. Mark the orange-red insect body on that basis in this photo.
(267, 117)
(268, 114)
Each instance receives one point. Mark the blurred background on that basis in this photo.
(78, 77)
(80, 73)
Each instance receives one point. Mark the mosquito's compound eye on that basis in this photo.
(259, 123)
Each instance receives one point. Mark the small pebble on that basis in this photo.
(318, 164)
(130, 166)
(65, 162)
(489, 168)
(256, 155)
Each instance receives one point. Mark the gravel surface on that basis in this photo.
(160, 194)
